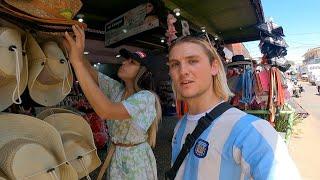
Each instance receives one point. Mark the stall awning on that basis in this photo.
(232, 20)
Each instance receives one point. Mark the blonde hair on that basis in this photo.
(220, 85)
(153, 129)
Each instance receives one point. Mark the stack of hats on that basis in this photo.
(43, 68)
(272, 44)
(49, 15)
(58, 147)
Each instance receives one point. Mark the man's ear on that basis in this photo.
(214, 67)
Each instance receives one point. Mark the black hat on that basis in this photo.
(142, 57)
(236, 58)
(155, 62)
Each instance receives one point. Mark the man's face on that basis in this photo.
(190, 70)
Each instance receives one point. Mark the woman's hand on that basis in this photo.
(75, 46)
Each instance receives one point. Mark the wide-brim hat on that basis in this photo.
(50, 74)
(31, 148)
(49, 9)
(77, 140)
(51, 24)
(13, 67)
(49, 111)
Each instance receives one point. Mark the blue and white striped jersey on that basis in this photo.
(236, 146)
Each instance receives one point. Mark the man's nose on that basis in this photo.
(184, 69)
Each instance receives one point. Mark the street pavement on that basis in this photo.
(304, 145)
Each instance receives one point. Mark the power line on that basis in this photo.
(298, 34)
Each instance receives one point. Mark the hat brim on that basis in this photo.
(36, 9)
(2, 176)
(70, 124)
(129, 55)
(15, 126)
(7, 90)
(47, 112)
(53, 21)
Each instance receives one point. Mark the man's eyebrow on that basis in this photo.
(192, 57)
(187, 57)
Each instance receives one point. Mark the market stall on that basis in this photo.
(51, 85)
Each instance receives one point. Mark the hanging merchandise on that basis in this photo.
(247, 89)
(281, 63)
(43, 12)
(78, 142)
(185, 28)
(181, 108)
(32, 149)
(50, 77)
(13, 67)
(270, 28)
(171, 31)
(276, 94)
(272, 44)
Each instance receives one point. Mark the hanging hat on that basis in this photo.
(47, 112)
(50, 76)
(31, 148)
(37, 23)
(2, 176)
(49, 9)
(77, 140)
(237, 58)
(13, 67)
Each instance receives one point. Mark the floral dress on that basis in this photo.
(136, 162)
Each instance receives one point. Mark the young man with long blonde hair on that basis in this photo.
(236, 145)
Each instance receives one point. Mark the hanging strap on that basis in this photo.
(107, 161)
(203, 123)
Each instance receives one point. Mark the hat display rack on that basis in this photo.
(40, 21)
(34, 61)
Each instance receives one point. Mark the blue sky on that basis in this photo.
(300, 20)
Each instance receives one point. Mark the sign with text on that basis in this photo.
(129, 24)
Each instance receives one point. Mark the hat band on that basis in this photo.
(16, 91)
(51, 171)
(80, 158)
(67, 90)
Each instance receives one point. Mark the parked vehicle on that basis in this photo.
(304, 77)
(313, 72)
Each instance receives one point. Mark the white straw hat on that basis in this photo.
(77, 140)
(31, 149)
(50, 76)
(47, 112)
(13, 67)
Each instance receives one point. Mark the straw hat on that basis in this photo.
(77, 140)
(47, 112)
(31, 148)
(50, 76)
(51, 24)
(49, 9)
(2, 176)
(12, 84)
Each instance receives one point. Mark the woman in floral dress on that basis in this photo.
(132, 114)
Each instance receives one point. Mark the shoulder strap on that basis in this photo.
(203, 123)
